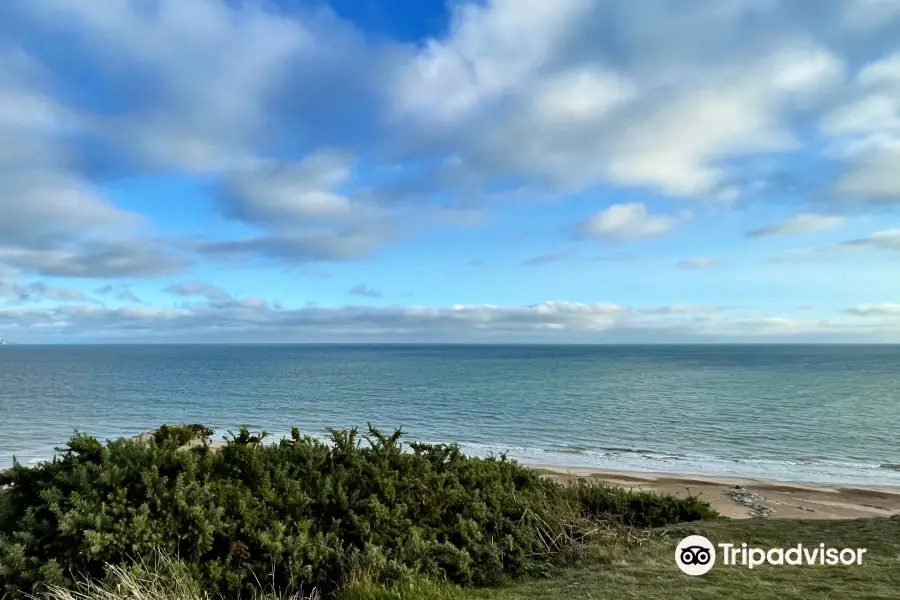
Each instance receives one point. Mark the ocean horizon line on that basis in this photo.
(466, 344)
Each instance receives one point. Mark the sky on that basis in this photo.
(584, 171)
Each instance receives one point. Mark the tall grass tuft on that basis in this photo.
(156, 577)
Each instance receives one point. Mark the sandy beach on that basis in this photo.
(741, 497)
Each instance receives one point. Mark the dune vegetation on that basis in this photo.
(635, 569)
(167, 516)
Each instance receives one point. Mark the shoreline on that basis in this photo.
(733, 496)
(747, 497)
(840, 480)
(627, 471)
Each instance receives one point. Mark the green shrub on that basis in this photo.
(181, 434)
(638, 508)
(299, 514)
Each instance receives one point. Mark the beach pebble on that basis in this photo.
(751, 500)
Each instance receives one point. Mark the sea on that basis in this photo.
(822, 413)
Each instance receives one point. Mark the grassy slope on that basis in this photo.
(617, 570)
(649, 572)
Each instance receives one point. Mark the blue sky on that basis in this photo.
(463, 171)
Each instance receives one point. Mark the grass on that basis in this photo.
(649, 572)
(644, 571)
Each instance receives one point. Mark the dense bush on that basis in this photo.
(181, 434)
(297, 514)
(638, 508)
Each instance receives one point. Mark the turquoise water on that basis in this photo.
(813, 413)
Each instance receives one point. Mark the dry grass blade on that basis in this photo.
(159, 579)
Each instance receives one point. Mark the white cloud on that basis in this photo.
(645, 107)
(626, 222)
(38, 195)
(119, 292)
(884, 240)
(16, 292)
(546, 259)
(697, 264)
(868, 130)
(887, 239)
(549, 96)
(803, 223)
(346, 243)
(677, 147)
(284, 194)
(678, 309)
(806, 69)
(97, 258)
(364, 290)
(873, 176)
(54, 219)
(255, 319)
(869, 14)
(42, 202)
(580, 95)
(491, 49)
(885, 71)
(201, 290)
(876, 310)
(871, 114)
(201, 105)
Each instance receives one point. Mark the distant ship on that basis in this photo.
(5, 342)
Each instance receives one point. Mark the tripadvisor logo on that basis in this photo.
(696, 555)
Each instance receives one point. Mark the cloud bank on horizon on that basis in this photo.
(495, 170)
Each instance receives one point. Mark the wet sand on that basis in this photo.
(742, 497)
